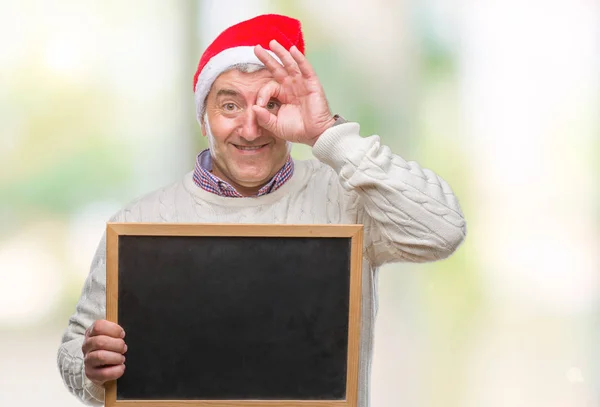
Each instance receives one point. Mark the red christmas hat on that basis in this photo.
(236, 45)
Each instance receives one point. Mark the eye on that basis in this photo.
(230, 107)
(273, 104)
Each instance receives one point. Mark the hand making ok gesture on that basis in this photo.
(304, 112)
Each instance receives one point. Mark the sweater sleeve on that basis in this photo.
(409, 213)
(90, 307)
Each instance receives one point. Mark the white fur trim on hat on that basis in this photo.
(219, 64)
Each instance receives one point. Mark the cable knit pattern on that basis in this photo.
(409, 214)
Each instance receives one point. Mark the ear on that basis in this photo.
(203, 128)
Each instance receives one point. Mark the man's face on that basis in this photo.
(244, 154)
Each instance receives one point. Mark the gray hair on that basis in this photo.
(244, 67)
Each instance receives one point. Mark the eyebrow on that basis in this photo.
(227, 92)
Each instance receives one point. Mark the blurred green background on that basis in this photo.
(500, 98)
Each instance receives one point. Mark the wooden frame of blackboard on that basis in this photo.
(354, 232)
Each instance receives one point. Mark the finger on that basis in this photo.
(266, 119)
(269, 91)
(103, 342)
(99, 358)
(101, 375)
(104, 327)
(305, 67)
(276, 69)
(289, 63)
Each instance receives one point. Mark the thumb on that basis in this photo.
(266, 119)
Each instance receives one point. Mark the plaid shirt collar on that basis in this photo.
(204, 179)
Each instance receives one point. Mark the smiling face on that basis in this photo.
(244, 154)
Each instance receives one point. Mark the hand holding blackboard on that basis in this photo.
(103, 349)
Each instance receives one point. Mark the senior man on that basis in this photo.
(256, 94)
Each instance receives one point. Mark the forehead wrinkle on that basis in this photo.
(240, 82)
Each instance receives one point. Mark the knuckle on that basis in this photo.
(100, 357)
(94, 358)
(101, 343)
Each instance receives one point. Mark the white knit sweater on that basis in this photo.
(408, 213)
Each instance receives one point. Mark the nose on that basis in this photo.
(250, 128)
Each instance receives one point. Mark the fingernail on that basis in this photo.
(259, 101)
(125, 349)
(122, 334)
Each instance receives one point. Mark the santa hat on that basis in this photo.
(236, 45)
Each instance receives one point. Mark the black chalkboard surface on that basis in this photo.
(235, 312)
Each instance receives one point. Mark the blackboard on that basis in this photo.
(235, 312)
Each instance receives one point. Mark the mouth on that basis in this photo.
(251, 149)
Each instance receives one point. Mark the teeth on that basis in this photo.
(250, 148)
